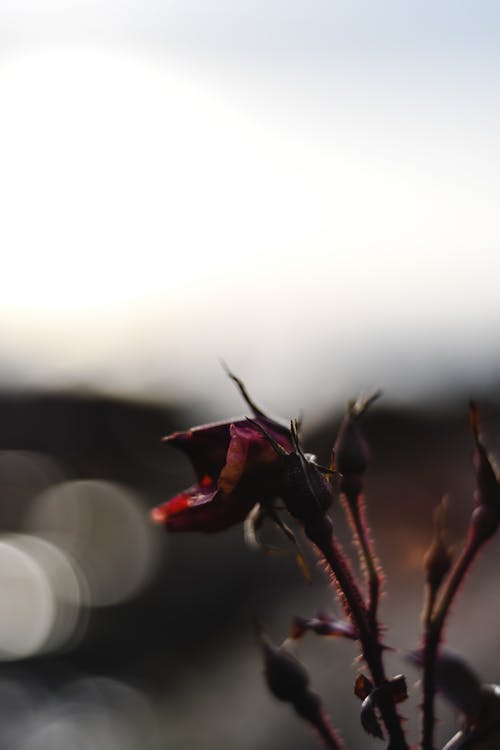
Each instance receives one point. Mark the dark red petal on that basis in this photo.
(191, 498)
(202, 508)
(235, 467)
(323, 625)
(236, 460)
(206, 446)
(176, 505)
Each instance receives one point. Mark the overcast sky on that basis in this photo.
(308, 190)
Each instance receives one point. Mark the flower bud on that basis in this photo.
(306, 494)
(484, 522)
(289, 682)
(305, 490)
(437, 562)
(486, 517)
(351, 450)
(287, 679)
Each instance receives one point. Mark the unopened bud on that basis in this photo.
(484, 522)
(305, 489)
(352, 453)
(288, 681)
(351, 450)
(437, 562)
(487, 485)
(286, 677)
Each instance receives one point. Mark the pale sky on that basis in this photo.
(307, 190)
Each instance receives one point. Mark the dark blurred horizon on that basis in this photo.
(181, 643)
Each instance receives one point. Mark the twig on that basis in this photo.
(371, 646)
(356, 511)
(483, 525)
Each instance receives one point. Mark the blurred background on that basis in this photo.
(308, 191)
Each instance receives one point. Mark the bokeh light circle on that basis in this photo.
(40, 595)
(92, 714)
(105, 528)
(23, 475)
(27, 602)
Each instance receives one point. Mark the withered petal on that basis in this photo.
(235, 468)
(179, 507)
(206, 446)
(236, 458)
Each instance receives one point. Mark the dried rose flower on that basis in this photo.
(236, 468)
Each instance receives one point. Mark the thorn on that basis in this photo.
(242, 389)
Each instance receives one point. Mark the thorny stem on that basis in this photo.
(434, 624)
(457, 575)
(327, 734)
(483, 525)
(364, 619)
(369, 638)
(431, 645)
(320, 723)
(356, 511)
(429, 602)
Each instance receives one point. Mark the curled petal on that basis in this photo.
(205, 446)
(236, 468)
(236, 459)
(184, 511)
(250, 458)
(322, 625)
(371, 696)
(252, 523)
(369, 718)
(362, 687)
(202, 507)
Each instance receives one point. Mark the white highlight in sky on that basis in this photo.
(154, 221)
(121, 182)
